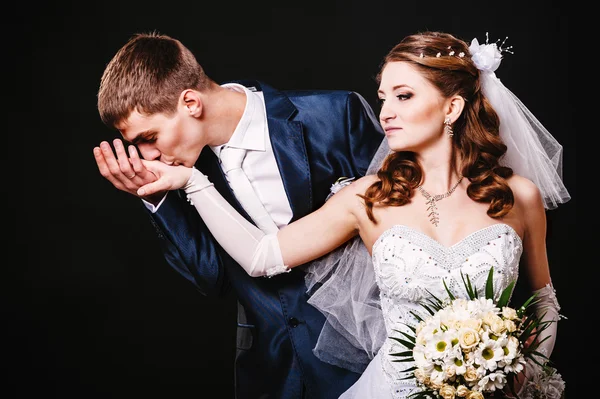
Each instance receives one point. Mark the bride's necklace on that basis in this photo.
(434, 216)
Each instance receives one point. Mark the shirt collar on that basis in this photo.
(250, 132)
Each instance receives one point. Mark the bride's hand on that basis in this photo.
(168, 177)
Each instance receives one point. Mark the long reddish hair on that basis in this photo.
(476, 131)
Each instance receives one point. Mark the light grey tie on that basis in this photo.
(231, 159)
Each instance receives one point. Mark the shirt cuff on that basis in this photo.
(153, 208)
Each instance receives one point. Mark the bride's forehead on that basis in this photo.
(400, 73)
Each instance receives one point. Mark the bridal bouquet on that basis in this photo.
(470, 348)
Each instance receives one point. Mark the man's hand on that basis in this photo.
(169, 177)
(125, 173)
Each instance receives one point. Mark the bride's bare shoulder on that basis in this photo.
(361, 185)
(350, 189)
(525, 192)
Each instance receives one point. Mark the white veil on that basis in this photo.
(532, 151)
(343, 288)
(342, 283)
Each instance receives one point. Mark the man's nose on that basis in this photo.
(148, 151)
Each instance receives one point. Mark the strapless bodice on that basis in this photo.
(410, 266)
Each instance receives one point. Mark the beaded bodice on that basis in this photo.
(409, 265)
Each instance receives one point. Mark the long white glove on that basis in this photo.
(258, 253)
(547, 308)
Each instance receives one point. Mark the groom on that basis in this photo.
(292, 145)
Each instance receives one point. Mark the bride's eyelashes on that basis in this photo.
(400, 97)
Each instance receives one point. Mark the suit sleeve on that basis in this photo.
(188, 246)
(365, 133)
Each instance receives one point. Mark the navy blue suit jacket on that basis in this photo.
(317, 137)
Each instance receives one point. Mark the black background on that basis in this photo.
(95, 311)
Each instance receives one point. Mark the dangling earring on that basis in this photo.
(448, 127)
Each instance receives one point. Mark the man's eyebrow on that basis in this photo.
(140, 137)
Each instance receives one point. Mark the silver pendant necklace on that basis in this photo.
(434, 216)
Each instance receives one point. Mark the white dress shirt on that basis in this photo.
(252, 134)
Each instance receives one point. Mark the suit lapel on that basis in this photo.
(287, 140)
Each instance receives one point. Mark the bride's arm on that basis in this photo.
(535, 264)
(258, 253)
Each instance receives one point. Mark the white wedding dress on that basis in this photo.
(408, 265)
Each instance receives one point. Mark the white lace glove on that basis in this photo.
(258, 253)
(547, 308)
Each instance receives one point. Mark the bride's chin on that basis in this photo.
(396, 144)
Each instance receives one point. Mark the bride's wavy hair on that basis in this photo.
(445, 62)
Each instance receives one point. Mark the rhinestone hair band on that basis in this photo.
(486, 57)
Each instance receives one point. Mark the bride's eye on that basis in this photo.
(403, 97)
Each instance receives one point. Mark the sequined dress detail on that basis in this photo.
(407, 265)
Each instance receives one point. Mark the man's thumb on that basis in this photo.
(149, 189)
(150, 165)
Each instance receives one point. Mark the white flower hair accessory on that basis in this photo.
(487, 57)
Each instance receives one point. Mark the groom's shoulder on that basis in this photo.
(267, 89)
(307, 99)
(333, 94)
(304, 93)
(323, 99)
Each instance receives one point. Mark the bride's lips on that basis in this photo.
(391, 130)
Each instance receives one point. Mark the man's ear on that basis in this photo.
(191, 103)
(456, 104)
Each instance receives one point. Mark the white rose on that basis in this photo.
(471, 374)
(447, 392)
(509, 313)
(489, 318)
(497, 325)
(475, 395)
(450, 372)
(510, 325)
(462, 391)
(475, 324)
(552, 391)
(468, 338)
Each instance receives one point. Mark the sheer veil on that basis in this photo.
(343, 288)
(342, 284)
(532, 151)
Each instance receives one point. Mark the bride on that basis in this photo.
(462, 183)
